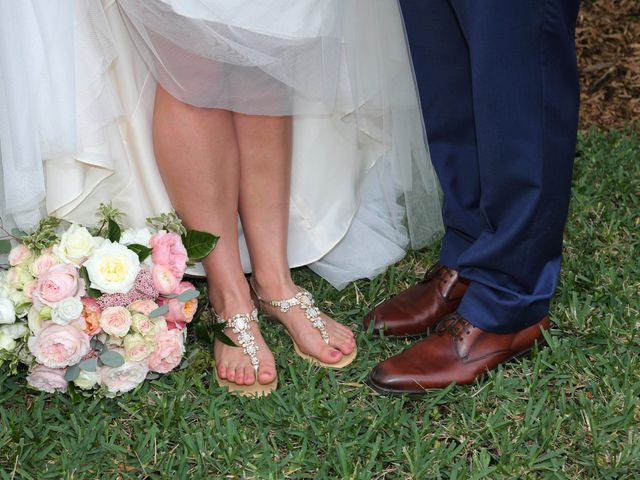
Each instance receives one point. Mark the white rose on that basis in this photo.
(14, 331)
(137, 348)
(7, 311)
(5, 289)
(123, 378)
(7, 343)
(86, 380)
(140, 236)
(17, 277)
(76, 244)
(113, 268)
(67, 311)
(34, 320)
(22, 303)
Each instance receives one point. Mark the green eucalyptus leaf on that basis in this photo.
(142, 251)
(16, 232)
(91, 292)
(89, 365)
(111, 359)
(72, 373)
(114, 232)
(159, 311)
(153, 376)
(188, 295)
(199, 244)
(5, 246)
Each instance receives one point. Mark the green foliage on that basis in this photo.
(113, 231)
(188, 295)
(89, 365)
(5, 246)
(141, 250)
(111, 358)
(569, 411)
(161, 310)
(44, 236)
(169, 222)
(199, 244)
(91, 292)
(107, 213)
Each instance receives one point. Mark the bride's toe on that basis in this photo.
(329, 354)
(266, 376)
(239, 375)
(345, 345)
(249, 375)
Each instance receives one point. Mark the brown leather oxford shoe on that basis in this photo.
(457, 352)
(419, 308)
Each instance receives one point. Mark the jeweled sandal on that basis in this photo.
(304, 300)
(240, 325)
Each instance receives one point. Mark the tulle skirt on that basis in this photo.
(363, 188)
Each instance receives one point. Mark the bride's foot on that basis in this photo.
(236, 365)
(308, 338)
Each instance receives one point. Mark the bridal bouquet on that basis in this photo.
(103, 308)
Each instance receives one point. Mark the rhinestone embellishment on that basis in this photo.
(240, 324)
(305, 301)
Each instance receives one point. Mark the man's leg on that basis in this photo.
(525, 104)
(525, 100)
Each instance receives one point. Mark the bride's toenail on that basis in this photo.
(334, 353)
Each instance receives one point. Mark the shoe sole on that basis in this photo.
(418, 393)
(380, 332)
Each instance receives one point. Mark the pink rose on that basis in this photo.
(168, 352)
(60, 281)
(91, 314)
(116, 321)
(47, 379)
(58, 346)
(43, 263)
(19, 254)
(190, 307)
(169, 251)
(163, 279)
(179, 313)
(143, 306)
(175, 316)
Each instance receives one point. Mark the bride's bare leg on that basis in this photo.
(265, 177)
(197, 154)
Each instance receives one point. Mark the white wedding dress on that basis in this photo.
(77, 82)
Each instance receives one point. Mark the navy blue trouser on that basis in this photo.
(499, 88)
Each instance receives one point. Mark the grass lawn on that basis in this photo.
(571, 410)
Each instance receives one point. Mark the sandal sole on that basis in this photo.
(256, 389)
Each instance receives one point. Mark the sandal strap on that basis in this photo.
(305, 301)
(240, 324)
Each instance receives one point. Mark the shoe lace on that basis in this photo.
(436, 271)
(453, 324)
